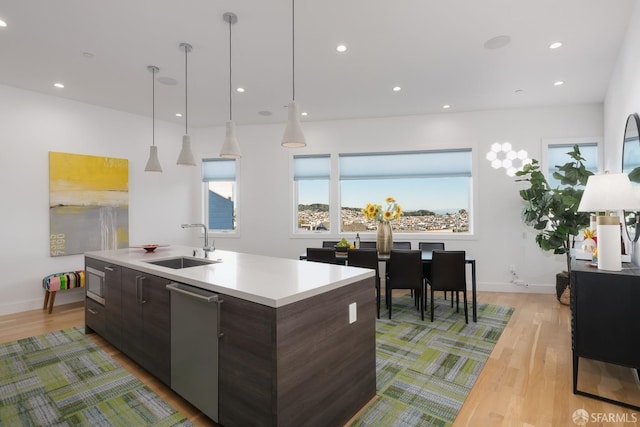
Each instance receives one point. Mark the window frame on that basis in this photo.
(335, 196)
(547, 142)
(205, 200)
(294, 200)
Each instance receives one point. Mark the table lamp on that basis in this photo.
(607, 193)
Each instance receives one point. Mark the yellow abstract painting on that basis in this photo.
(88, 203)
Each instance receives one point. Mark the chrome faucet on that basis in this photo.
(206, 248)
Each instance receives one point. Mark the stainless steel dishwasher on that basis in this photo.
(195, 331)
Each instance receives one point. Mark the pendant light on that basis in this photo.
(153, 164)
(230, 148)
(293, 136)
(186, 155)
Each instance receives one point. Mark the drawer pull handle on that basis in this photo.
(92, 311)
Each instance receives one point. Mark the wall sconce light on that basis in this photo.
(502, 155)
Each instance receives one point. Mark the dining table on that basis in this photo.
(427, 258)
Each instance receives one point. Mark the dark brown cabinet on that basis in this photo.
(110, 315)
(94, 314)
(146, 312)
(604, 320)
(277, 366)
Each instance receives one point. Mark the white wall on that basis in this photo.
(623, 98)
(501, 240)
(35, 124)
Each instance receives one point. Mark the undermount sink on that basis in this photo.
(182, 262)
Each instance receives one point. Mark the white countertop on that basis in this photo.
(270, 281)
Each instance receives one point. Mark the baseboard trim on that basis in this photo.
(513, 288)
(66, 297)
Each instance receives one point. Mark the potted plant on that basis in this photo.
(553, 212)
(342, 246)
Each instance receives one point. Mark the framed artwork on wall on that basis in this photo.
(88, 203)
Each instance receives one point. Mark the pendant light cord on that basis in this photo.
(186, 104)
(153, 107)
(230, 70)
(293, 46)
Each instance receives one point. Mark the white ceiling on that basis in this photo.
(433, 49)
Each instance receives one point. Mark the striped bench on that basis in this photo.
(60, 282)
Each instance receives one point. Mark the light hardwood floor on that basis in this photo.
(525, 382)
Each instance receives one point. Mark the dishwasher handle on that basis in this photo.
(176, 287)
(204, 297)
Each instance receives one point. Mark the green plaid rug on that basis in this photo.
(426, 370)
(64, 379)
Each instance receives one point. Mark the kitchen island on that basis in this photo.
(297, 339)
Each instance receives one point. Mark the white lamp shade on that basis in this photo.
(230, 148)
(186, 155)
(608, 192)
(153, 164)
(293, 136)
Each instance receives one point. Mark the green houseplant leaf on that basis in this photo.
(553, 212)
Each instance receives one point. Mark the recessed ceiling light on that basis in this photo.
(304, 113)
(558, 83)
(397, 88)
(555, 45)
(497, 42)
(58, 85)
(178, 114)
(2, 23)
(446, 106)
(519, 90)
(341, 48)
(240, 89)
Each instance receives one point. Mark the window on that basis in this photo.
(433, 188)
(311, 177)
(557, 156)
(219, 188)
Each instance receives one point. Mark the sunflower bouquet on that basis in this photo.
(383, 213)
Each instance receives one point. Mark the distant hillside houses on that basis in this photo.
(316, 217)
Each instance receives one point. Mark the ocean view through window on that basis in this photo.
(434, 188)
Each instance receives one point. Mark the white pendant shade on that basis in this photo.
(153, 164)
(230, 148)
(186, 155)
(293, 136)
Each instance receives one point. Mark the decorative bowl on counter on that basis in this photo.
(150, 247)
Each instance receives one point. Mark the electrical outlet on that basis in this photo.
(353, 312)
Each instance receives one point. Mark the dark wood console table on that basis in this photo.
(604, 319)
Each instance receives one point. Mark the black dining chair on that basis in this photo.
(367, 245)
(401, 245)
(449, 273)
(366, 258)
(405, 272)
(426, 267)
(329, 243)
(326, 255)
